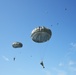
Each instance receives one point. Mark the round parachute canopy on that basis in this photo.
(17, 45)
(41, 34)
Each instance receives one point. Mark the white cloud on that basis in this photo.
(48, 73)
(60, 72)
(61, 64)
(73, 69)
(73, 45)
(56, 71)
(71, 63)
(72, 49)
(5, 58)
(72, 66)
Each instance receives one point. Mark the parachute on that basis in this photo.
(41, 34)
(17, 45)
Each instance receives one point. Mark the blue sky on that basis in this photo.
(18, 18)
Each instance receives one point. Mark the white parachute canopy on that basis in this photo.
(17, 45)
(41, 34)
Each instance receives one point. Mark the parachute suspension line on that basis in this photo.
(43, 56)
(39, 37)
(44, 51)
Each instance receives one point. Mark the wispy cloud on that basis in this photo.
(55, 71)
(72, 66)
(60, 72)
(61, 64)
(48, 73)
(63, 68)
(71, 63)
(5, 58)
(72, 49)
(72, 69)
(73, 45)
